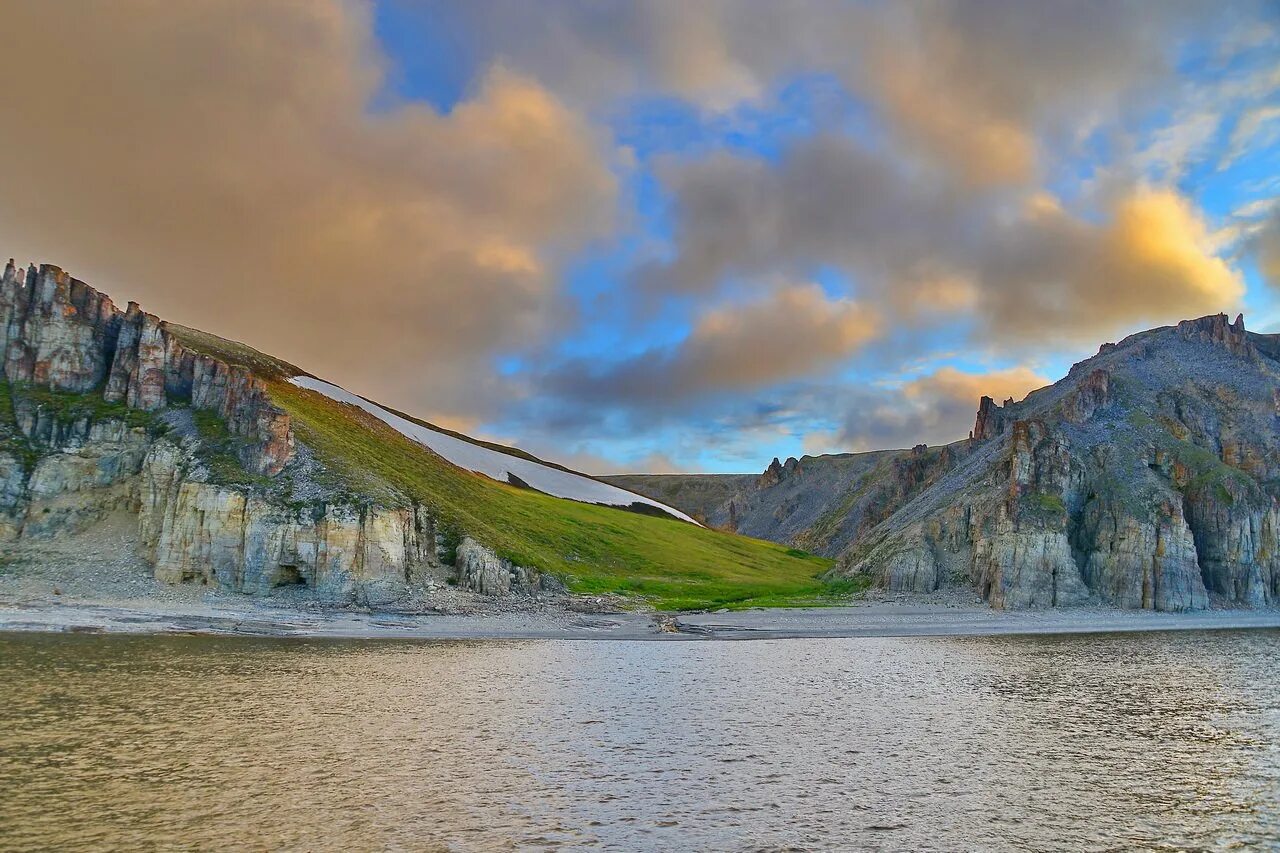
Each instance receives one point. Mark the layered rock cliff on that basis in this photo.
(103, 410)
(1147, 478)
(59, 333)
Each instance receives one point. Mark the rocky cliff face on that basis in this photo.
(99, 413)
(1149, 477)
(59, 333)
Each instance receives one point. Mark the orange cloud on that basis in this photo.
(792, 331)
(233, 166)
(948, 383)
(1152, 262)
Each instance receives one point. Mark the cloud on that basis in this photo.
(969, 86)
(972, 85)
(1029, 271)
(794, 330)
(236, 166)
(1266, 244)
(828, 201)
(935, 409)
(1258, 127)
(1051, 275)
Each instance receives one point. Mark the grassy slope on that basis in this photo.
(595, 549)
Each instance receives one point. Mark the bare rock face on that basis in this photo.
(90, 475)
(990, 421)
(771, 476)
(60, 333)
(1148, 478)
(1092, 394)
(193, 531)
(67, 461)
(1215, 330)
(481, 570)
(1140, 563)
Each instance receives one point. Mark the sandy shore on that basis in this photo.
(866, 620)
(96, 583)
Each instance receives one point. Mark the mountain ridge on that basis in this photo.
(1147, 478)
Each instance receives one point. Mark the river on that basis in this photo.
(1082, 742)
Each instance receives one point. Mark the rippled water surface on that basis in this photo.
(1162, 741)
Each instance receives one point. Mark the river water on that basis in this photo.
(1160, 741)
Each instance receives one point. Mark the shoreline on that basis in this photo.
(875, 619)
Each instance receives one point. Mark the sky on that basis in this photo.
(673, 235)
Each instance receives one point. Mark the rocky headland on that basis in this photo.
(234, 472)
(109, 411)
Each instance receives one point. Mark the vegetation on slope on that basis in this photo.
(232, 352)
(594, 549)
(12, 441)
(65, 407)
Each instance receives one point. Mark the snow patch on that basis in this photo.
(492, 463)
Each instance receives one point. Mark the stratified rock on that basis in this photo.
(1215, 330)
(1093, 393)
(1148, 478)
(481, 570)
(990, 421)
(771, 476)
(60, 333)
(73, 462)
(239, 541)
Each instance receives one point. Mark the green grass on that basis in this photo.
(232, 352)
(12, 441)
(1047, 503)
(595, 550)
(219, 451)
(65, 407)
(70, 406)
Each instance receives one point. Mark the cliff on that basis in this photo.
(107, 409)
(1147, 478)
(58, 333)
(239, 477)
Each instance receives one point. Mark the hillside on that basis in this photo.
(1146, 478)
(245, 473)
(703, 496)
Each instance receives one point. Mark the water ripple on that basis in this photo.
(1106, 742)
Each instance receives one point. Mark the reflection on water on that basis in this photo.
(1093, 742)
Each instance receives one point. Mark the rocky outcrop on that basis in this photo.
(58, 332)
(481, 570)
(1139, 563)
(1217, 331)
(1148, 478)
(100, 419)
(1145, 479)
(88, 476)
(990, 421)
(771, 475)
(193, 531)
(1092, 394)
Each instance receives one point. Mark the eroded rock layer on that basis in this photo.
(58, 332)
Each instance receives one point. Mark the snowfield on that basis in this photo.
(492, 463)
